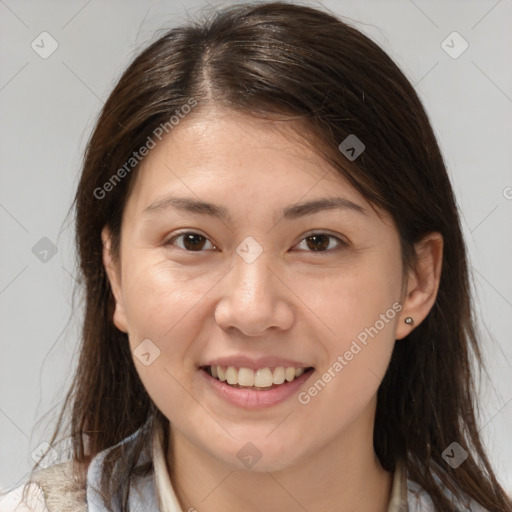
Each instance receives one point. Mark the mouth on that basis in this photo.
(261, 379)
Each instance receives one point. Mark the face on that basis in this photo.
(242, 248)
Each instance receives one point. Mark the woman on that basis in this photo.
(229, 359)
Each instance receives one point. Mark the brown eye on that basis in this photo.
(191, 241)
(321, 242)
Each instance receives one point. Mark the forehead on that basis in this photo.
(224, 154)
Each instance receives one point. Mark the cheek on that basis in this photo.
(160, 298)
(353, 298)
(164, 305)
(357, 360)
(359, 309)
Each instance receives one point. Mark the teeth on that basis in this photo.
(246, 377)
(289, 374)
(232, 375)
(262, 378)
(278, 375)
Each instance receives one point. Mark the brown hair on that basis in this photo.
(302, 64)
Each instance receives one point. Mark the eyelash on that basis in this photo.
(341, 243)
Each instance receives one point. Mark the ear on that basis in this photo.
(423, 283)
(114, 276)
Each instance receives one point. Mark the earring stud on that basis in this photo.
(409, 320)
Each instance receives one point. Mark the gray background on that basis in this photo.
(48, 107)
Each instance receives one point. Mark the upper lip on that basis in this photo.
(241, 361)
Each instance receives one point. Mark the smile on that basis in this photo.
(262, 378)
(254, 389)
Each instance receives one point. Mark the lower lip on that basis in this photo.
(251, 399)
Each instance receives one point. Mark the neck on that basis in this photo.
(344, 475)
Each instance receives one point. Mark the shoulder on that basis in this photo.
(55, 488)
(48, 490)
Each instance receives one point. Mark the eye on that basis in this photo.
(320, 242)
(192, 241)
(315, 242)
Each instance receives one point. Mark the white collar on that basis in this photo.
(167, 500)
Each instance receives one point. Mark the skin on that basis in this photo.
(292, 302)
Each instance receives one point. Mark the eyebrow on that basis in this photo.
(290, 212)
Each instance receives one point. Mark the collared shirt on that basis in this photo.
(155, 492)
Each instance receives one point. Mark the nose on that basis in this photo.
(254, 299)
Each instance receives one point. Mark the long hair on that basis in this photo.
(281, 60)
